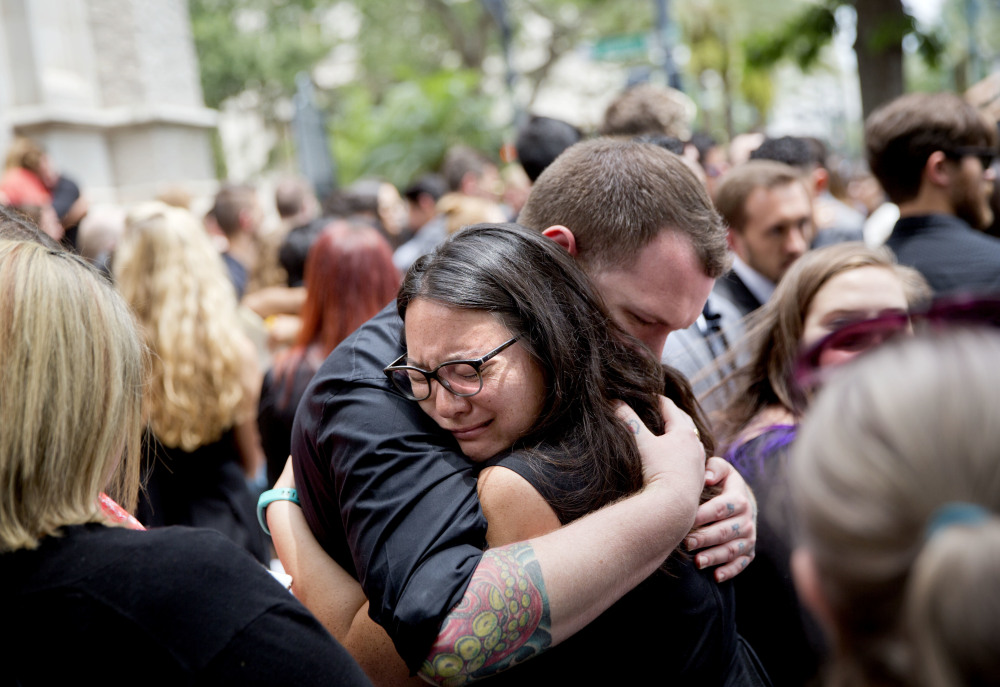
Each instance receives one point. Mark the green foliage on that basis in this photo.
(408, 131)
(801, 39)
(892, 31)
(757, 88)
(715, 31)
(257, 45)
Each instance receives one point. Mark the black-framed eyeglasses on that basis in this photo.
(951, 310)
(460, 377)
(985, 155)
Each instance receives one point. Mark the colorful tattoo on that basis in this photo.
(502, 620)
(633, 426)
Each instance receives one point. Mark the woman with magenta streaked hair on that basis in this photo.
(349, 276)
(823, 291)
(895, 485)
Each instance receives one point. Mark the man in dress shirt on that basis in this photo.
(769, 213)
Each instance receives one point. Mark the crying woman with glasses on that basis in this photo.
(824, 312)
(510, 350)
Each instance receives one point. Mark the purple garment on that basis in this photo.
(749, 458)
(768, 613)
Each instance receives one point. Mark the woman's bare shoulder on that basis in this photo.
(514, 509)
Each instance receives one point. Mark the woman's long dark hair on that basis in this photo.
(536, 290)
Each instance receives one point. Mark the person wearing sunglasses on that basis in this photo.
(509, 350)
(933, 154)
(895, 488)
(825, 290)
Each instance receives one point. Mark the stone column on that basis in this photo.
(111, 89)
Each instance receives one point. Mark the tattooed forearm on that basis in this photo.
(503, 619)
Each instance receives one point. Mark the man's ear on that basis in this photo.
(246, 219)
(563, 236)
(733, 240)
(935, 171)
(810, 591)
(820, 179)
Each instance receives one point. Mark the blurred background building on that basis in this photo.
(111, 89)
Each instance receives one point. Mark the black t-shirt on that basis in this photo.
(276, 413)
(386, 492)
(202, 488)
(174, 606)
(677, 627)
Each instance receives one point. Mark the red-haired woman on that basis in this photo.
(349, 276)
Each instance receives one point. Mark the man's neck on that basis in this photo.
(243, 249)
(927, 202)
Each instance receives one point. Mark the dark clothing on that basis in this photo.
(237, 274)
(732, 288)
(276, 413)
(950, 254)
(64, 194)
(677, 627)
(828, 237)
(788, 641)
(387, 494)
(295, 247)
(392, 499)
(174, 606)
(203, 488)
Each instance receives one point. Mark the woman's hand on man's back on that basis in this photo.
(725, 533)
(673, 461)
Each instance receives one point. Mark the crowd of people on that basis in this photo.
(593, 418)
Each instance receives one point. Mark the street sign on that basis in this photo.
(621, 48)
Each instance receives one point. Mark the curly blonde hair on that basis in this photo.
(175, 281)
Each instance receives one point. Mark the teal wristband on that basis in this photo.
(269, 497)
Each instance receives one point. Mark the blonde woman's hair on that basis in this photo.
(909, 428)
(175, 280)
(774, 333)
(71, 386)
(24, 152)
(461, 211)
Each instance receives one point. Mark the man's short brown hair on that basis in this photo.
(461, 160)
(649, 109)
(230, 201)
(742, 180)
(618, 195)
(902, 134)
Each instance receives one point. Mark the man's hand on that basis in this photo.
(726, 534)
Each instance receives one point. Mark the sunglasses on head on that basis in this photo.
(857, 337)
(985, 155)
